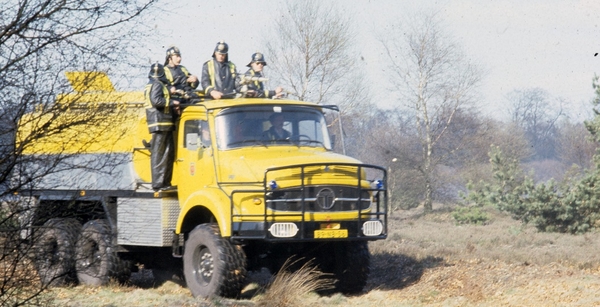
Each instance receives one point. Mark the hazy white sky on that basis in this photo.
(548, 44)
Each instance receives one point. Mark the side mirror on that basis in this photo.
(333, 137)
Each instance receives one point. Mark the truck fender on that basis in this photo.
(213, 200)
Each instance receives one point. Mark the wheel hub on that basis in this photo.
(204, 266)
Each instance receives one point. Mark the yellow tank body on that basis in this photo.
(94, 123)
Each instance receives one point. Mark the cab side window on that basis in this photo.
(196, 133)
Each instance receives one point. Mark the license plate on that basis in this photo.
(331, 234)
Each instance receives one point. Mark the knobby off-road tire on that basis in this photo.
(212, 265)
(96, 260)
(54, 251)
(122, 270)
(349, 263)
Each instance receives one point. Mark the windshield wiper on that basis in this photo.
(308, 142)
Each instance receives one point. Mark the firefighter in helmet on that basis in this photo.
(160, 117)
(219, 76)
(181, 82)
(257, 88)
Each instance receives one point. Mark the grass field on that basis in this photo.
(426, 261)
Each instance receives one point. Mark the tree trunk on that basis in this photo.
(428, 203)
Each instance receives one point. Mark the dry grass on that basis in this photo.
(19, 284)
(290, 288)
(504, 239)
(426, 261)
(429, 261)
(169, 294)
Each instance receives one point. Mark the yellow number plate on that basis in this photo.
(331, 234)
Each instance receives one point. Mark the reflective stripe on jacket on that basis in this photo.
(158, 108)
(257, 86)
(212, 79)
(177, 76)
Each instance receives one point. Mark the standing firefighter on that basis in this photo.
(257, 88)
(159, 115)
(219, 76)
(181, 82)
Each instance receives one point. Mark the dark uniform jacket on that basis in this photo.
(257, 86)
(177, 77)
(158, 107)
(272, 135)
(220, 76)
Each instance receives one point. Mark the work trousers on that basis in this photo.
(162, 156)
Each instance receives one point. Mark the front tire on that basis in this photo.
(212, 265)
(54, 250)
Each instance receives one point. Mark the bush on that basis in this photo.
(470, 215)
(570, 207)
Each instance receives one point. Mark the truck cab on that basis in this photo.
(270, 194)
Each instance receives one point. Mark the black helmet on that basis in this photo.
(221, 47)
(257, 57)
(157, 71)
(172, 51)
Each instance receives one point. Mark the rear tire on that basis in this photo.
(212, 265)
(54, 251)
(349, 265)
(96, 262)
(122, 273)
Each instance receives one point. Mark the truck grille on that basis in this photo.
(318, 199)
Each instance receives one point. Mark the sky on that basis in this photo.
(547, 44)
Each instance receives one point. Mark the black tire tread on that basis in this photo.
(115, 267)
(232, 258)
(353, 274)
(65, 231)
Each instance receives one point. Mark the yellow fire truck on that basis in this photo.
(242, 202)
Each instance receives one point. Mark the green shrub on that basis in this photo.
(470, 215)
(570, 207)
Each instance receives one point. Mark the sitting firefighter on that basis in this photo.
(182, 82)
(159, 115)
(252, 78)
(276, 134)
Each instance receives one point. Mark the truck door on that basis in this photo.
(194, 161)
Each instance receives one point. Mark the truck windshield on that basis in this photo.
(271, 126)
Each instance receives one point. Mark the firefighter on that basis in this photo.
(182, 82)
(159, 115)
(219, 76)
(258, 88)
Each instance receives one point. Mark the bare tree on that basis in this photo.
(389, 138)
(575, 146)
(435, 80)
(39, 41)
(533, 111)
(311, 53)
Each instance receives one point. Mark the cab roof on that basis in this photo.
(236, 102)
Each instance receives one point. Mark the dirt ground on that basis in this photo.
(428, 261)
(483, 282)
(501, 264)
